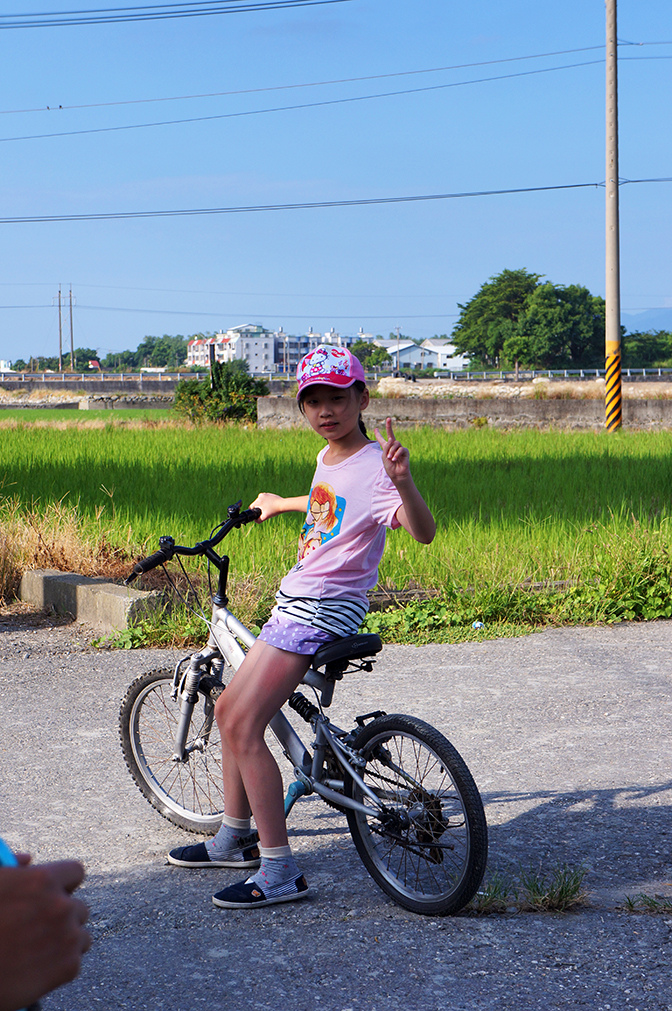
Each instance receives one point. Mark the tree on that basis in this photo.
(82, 358)
(491, 316)
(370, 355)
(560, 327)
(515, 320)
(231, 394)
(646, 350)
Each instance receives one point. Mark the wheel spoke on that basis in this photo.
(188, 792)
(427, 846)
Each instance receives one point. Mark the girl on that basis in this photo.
(322, 598)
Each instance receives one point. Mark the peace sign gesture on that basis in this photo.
(396, 458)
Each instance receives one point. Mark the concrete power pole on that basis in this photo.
(60, 334)
(613, 406)
(72, 339)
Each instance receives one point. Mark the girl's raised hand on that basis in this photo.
(396, 458)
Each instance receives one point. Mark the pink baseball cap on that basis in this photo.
(329, 366)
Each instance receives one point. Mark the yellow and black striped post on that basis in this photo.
(612, 315)
(613, 400)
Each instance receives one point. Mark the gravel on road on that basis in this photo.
(567, 733)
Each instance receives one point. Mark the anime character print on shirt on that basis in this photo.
(323, 520)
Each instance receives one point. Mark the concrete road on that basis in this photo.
(567, 733)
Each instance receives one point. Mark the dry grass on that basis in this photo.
(53, 539)
(36, 398)
(116, 419)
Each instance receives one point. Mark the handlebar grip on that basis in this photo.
(147, 564)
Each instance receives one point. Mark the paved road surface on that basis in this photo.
(567, 733)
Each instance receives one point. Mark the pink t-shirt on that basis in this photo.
(342, 540)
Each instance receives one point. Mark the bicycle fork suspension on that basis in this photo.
(186, 689)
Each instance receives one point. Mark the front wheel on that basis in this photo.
(426, 845)
(187, 792)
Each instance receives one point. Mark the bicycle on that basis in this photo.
(413, 809)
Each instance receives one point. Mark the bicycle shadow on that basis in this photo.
(620, 835)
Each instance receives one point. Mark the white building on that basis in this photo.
(447, 358)
(407, 354)
(265, 351)
(250, 341)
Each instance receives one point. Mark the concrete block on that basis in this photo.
(108, 606)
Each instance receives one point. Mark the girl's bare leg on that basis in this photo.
(252, 780)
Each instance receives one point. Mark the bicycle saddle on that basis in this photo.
(352, 647)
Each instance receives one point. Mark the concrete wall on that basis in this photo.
(92, 385)
(282, 412)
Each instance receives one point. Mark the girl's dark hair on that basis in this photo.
(357, 385)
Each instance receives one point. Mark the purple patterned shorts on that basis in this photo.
(283, 633)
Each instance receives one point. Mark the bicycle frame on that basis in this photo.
(226, 635)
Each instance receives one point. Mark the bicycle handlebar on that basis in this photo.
(169, 548)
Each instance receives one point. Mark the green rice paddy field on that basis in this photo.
(511, 507)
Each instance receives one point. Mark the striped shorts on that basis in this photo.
(303, 624)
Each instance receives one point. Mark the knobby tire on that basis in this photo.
(188, 793)
(429, 849)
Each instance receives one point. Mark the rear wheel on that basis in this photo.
(427, 846)
(189, 792)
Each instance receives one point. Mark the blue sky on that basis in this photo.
(374, 266)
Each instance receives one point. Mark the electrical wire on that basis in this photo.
(320, 84)
(118, 215)
(245, 315)
(308, 84)
(289, 108)
(125, 15)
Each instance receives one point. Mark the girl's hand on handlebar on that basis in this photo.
(269, 504)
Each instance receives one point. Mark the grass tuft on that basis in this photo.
(496, 895)
(556, 891)
(644, 903)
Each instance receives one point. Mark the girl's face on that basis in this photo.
(333, 412)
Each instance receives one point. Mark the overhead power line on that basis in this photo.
(290, 108)
(154, 12)
(306, 84)
(229, 312)
(320, 84)
(319, 204)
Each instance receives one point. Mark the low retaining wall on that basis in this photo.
(118, 403)
(107, 606)
(92, 385)
(282, 412)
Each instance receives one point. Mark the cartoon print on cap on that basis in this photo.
(333, 366)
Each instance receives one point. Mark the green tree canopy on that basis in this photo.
(491, 316)
(647, 350)
(370, 355)
(232, 393)
(515, 319)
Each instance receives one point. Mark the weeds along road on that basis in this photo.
(567, 733)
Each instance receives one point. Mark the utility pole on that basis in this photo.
(60, 333)
(72, 341)
(613, 400)
(397, 329)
